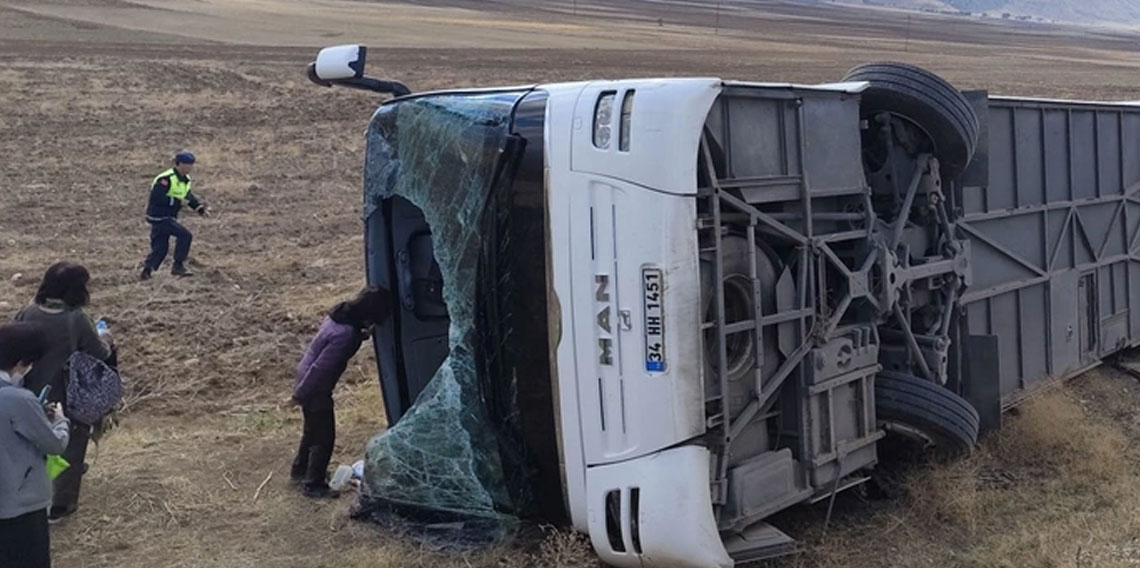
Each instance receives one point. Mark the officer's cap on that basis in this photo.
(184, 157)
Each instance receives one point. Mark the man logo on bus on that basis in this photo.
(602, 296)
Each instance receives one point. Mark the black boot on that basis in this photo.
(180, 270)
(321, 492)
(146, 273)
(57, 513)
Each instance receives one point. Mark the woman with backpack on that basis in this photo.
(58, 308)
(337, 340)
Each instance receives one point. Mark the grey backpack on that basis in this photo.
(93, 389)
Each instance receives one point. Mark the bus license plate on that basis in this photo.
(653, 286)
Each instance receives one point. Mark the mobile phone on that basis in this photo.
(44, 393)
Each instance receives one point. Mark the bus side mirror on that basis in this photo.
(343, 65)
(338, 63)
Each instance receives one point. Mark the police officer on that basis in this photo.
(169, 191)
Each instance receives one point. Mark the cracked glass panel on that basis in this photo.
(441, 470)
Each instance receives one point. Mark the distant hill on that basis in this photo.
(1120, 12)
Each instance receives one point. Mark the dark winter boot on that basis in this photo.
(180, 270)
(321, 492)
(146, 273)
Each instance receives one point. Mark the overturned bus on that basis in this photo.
(660, 311)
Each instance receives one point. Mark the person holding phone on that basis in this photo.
(58, 307)
(30, 430)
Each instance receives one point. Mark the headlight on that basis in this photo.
(603, 120)
(626, 120)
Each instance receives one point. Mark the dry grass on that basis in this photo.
(1058, 486)
(162, 488)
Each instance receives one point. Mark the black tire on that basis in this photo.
(946, 418)
(927, 101)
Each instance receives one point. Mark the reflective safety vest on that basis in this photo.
(178, 189)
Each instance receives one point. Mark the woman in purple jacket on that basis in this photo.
(338, 339)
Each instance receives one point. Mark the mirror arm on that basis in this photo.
(395, 88)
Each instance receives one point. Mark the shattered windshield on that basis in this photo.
(442, 465)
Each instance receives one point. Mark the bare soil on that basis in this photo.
(95, 95)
